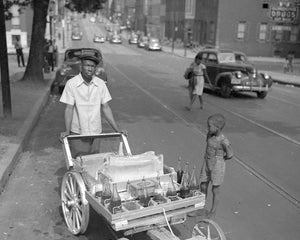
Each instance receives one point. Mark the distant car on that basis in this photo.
(153, 44)
(116, 39)
(76, 33)
(72, 66)
(142, 41)
(76, 36)
(230, 72)
(99, 39)
(133, 39)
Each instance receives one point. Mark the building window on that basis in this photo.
(241, 30)
(211, 32)
(263, 32)
(15, 20)
(294, 34)
(190, 6)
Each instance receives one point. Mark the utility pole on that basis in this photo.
(6, 98)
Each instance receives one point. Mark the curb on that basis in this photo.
(10, 158)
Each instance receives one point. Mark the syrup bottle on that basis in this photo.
(184, 188)
(158, 188)
(115, 202)
(171, 192)
(193, 181)
(98, 187)
(106, 193)
(144, 198)
(179, 171)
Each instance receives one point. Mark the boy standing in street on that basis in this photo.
(218, 150)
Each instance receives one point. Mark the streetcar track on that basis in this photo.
(250, 169)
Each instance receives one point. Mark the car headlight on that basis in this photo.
(265, 76)
(238, 74)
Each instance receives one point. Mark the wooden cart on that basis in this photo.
(107, 159)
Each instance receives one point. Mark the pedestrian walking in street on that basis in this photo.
(218, 150)
(196, 82)
(85, 95)
(19, 52)
(55, 53)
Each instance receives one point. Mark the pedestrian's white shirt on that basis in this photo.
(87, 99)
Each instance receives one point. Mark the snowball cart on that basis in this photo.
(133, 193)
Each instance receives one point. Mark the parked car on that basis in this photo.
(116, 39)
(231, 72)
(72, 66)
(153, 44)
(142, 41)
(99, 39)
(133, 39)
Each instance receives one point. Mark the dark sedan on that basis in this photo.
(72, 66)
(231, 72)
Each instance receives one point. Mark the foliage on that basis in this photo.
(87, 6)
(9, 3)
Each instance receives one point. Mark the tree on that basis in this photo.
(85, 5)
(34, 69)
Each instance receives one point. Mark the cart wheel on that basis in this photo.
(207, 229)
(75, 207)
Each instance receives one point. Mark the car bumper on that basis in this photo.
(240, 88)
(155, 48)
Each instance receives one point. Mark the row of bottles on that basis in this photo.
(109, 198)
(188, 184)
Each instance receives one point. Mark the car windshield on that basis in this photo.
(154, 40)
(74, 55)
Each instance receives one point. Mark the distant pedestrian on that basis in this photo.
(290, 58)
(50, 55)
(218, 150)
(196, 82)
(19, 52)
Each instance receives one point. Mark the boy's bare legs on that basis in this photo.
(215, 200)
(201, 212)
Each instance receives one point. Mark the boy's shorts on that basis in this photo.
(216, 175)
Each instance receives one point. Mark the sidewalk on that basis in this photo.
(277, 76)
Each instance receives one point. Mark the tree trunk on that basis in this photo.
(34, 69)
(4, 76)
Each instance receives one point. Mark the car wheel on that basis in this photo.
(225, 90)
(261, 94)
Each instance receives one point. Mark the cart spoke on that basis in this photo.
(198, 230)
(67, 195)
(79, 213)
(72, 184)
(68, 187)
(77, 219)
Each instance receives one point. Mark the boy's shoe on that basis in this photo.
(197, 213)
